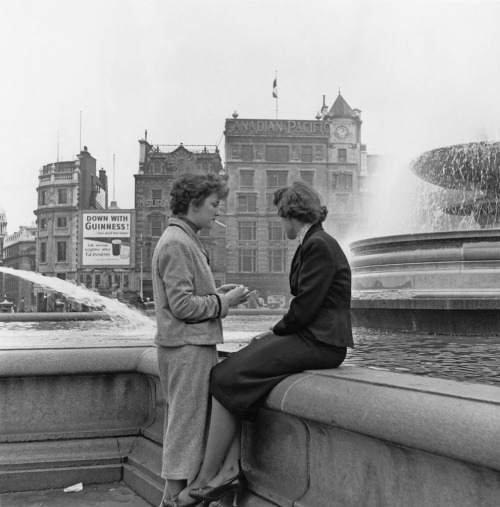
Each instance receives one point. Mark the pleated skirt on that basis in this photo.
(243, 380)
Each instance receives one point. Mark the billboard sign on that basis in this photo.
(106, 239)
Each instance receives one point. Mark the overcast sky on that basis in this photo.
(424, 75)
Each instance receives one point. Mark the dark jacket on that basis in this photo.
(320, 280)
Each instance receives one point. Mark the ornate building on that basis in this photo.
(3, 233)
(19, 252)
(159, 165)
(263, 155)
(64, 190)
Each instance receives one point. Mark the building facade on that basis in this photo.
(263, 155)
(19, 252)
(159, 165)
(64, 189)
(3, 233)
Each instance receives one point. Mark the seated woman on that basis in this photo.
(314, 334)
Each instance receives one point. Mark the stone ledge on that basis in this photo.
(456, 420)
(71, 361)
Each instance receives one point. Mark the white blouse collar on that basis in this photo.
(303, 231)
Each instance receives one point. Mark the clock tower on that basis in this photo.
(347, 166)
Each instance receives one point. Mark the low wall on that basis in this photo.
(52, 316)
(450, 314)
(346, 437)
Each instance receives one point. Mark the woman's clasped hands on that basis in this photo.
(236, 294)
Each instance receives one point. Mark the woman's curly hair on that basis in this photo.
(195, 188)
(300, 201)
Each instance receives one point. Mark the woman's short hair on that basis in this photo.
(300, 201)
(195, 188)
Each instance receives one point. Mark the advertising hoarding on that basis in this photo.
(106, 239)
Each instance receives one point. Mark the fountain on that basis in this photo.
(6, 305)
(80, 410)
(438, 281)
(106, 308)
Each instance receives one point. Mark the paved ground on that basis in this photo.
(93, 495)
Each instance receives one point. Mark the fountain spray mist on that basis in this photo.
(117, 311)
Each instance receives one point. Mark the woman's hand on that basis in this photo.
(261, 335)
(237, 295)
(223, 289)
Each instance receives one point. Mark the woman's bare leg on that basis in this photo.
(172, 488)
(221, 443)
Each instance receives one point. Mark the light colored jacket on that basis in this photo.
(188, 308)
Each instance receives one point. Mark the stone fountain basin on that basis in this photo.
(467, 166)
(445, 282)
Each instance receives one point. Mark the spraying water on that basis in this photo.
(118, 312)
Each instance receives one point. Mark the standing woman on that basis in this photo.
(189, 310)
(313, 334)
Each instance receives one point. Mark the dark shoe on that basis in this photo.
(236, 485)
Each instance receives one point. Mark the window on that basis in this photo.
(247, 260)
(246, 179)
(61, 276)
(277, 154)
(247, 230)
(62, 222)
(307, 154)
(61, 251)
(276, 232)
(247, 153)
(43, 197)
(156, 227)
(62, 196)
(97, 281)
(156, 194)
(342, 155)
(156, 197)
(157, 167)
(247, 203)
(308, 177)
(270, 202)
(43, 252)
(342, 180)
(43, 223)
(277, 260)
(118, 279)
(88, 282)
(276, 179)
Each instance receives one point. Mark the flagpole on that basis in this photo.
(275, 91)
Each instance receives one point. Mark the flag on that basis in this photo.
(275, 88)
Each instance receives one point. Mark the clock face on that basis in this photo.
(341, 132)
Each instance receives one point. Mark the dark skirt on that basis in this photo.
(243, 380)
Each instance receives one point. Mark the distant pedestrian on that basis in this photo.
(117, 293)
(22, 306)
(51, 302)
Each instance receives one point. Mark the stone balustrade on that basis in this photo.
(346, 437)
